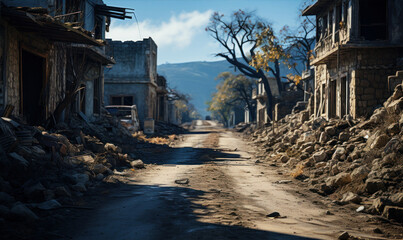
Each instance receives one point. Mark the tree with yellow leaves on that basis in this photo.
(237, 35)
(232, 91)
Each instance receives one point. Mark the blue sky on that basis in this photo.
(177, 26)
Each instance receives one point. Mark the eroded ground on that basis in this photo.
(222, 194)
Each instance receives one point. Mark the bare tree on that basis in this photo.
(237, 36)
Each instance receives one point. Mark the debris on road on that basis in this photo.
(182, 181)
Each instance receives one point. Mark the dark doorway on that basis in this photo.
(332, 99)
(345, 98)
(33, 105)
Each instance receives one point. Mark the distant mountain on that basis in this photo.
(197, 79)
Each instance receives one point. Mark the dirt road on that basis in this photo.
(223, 194)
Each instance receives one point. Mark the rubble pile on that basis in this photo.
(165, 128)
(350, 161)
(44, 170)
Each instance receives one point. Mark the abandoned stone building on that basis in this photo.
(162, 99)
(359, 43)
(133, 79)
(49, 51)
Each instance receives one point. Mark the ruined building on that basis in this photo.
(133, 79)
(51, 58)
(359, 43)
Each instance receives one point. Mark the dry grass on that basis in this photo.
(155, 140)
(298, 171)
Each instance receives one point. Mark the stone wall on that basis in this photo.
(366, 70)
(55, 81)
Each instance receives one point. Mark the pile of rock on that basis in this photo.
(354, 161)
(164, 128)
(44, 170)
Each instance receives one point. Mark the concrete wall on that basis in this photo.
(134, 74)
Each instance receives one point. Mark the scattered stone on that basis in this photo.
(62, 192)
(273, 215)
(19, 160)
(99, 176)
(258, 161)
(21, 212)
(329, 213)
(397, 199)
(360, 173)
(284, 158)
(330, 130)
(100, 168)
(79, 187)
(137, 164)
(393, 213)
(337, 155)
(80, 178)
(351, 197)
(360, 209)
(374, 185)
(113, 148)
(323, 137)
(344, 136)
(344, 236)
(393, 128)
(380, 141)
(377, 230)
(182, 181)
(49, 205)
(339, 180)
(319, 156)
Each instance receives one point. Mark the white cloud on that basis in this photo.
(178, 32)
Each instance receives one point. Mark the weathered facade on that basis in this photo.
(133, 79)
(359, 44)
(162, 99)
(49, 51)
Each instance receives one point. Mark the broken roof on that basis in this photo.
(317, 7)
(47, 27)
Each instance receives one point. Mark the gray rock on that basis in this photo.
(19, 160)
(397, 199)
(374, 185)
(338, 153)
(113, 148)
(380, 141)
(319, 156)
(360, 173)
(100, 168)
(99, 176)
(137, 164)
(331, 131)
(79, 187)
(62, 192)
(284, 158)
(323, 137)
(378, 205)
(351, 197)
(49, 205)
(344, 136)
(344, 236)
(339, 180)
(80, 178)
(22, 212)
(309, 149)
(6, 198)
